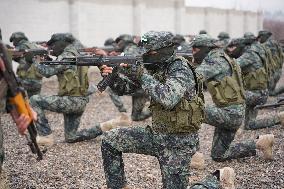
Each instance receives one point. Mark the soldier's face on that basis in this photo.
(231, 49)
(195, 50)
(57, 48)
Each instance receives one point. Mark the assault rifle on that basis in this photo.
(17, 100)
(29, 53)
(111, 61)
(280, 102)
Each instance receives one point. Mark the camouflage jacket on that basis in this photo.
(276, 51)
(26, 69)
(68, 78)
(180, 82)
(252, 59)
(215, 67)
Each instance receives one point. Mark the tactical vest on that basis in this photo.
(229, 90)
(28, 73)
(74, 81)
(258, 79)
(272, 65)
(186, 117)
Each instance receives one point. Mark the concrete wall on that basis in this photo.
(92, 21)
(37, 18)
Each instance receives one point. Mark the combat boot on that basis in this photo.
(227, 178)
(140, 116)
(265, 144)
(47, 140)
(281, 118)
(197, 161)
(123, 120)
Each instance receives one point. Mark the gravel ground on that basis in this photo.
(79, 165)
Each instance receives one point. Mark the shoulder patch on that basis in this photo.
(209, 60)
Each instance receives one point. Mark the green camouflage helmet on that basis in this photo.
(237, 41)
(18, 36)
(204, 40)
(202, 32)
(109, 42)
(67, 37)
(264, 33)
(154, 40)
(223, 35)
(125, 37)
(249, 35)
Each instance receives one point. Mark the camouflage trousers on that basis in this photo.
(254, 98)
(173, 151)
(32, 86)
(116, 100)
(72, 108)
(227, 121)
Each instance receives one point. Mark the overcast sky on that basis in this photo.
(252, 5)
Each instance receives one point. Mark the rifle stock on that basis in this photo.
(30, 53)
(17, 100)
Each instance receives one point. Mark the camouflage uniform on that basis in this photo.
(275, 49)
(139, 98)
(30, 79)
(253, 63)
(172, 142)
(225, 115)
(71, 99)
(274, 69)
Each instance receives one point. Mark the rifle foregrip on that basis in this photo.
(22, 105)
(103, 84)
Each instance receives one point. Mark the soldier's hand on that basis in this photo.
(105, 70)
(100, 52)
(114, 53)
(22, 121)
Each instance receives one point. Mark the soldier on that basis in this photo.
(224, 38)
(223, 79)
(251, 57)
(177, 107)
(265, 37)
(27, 74)
(71, 99)
(256, 70)
(139, 98)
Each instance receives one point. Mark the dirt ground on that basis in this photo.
(79, 165)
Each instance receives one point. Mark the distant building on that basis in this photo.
(94, 21)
